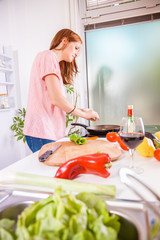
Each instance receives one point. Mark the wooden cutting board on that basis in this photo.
(70, 150)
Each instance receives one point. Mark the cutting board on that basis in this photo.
(70, 150)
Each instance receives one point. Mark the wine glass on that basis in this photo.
(132, 134)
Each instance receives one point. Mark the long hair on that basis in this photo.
(68, 70)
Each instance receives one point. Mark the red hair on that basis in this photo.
(68, 70)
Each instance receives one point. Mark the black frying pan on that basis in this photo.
(98, 129)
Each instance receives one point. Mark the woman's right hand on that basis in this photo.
(90, 114)
(57, 99)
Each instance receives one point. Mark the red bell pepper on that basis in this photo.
(97, 163)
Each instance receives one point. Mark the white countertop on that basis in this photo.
(150, 175)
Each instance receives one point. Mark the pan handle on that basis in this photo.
(79, 124)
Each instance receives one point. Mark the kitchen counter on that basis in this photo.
(151, 174)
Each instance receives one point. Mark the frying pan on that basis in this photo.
(98, 129)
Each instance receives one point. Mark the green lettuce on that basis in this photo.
(77, 139)
(6, 231)
(65, 216)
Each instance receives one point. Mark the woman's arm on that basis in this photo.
(57, 99)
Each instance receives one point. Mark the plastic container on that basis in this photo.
(4, 101)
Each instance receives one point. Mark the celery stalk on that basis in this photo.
(51, 183)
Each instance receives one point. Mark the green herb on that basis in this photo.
(77, 139)
(69, 89)
(18, 124)
(64, 216)
(69, 117)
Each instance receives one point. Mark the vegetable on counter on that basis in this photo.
(157, 154)
(92, 138)
(77, 139)
(122, 145)
(97, 163)
(49, 183)
(114, 137)
(65, 216)
(146, 148)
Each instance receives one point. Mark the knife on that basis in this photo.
(45, 155)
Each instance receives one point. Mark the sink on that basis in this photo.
(128, 229)
(132, 215)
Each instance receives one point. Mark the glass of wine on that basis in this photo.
(132, 134)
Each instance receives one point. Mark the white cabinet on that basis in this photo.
(10, 149)
(7, 82)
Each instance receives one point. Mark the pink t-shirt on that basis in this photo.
(43, 119)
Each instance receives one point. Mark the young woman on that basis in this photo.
(47, 103)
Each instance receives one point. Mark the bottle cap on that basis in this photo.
(130, 106)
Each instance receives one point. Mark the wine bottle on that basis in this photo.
(130, 119)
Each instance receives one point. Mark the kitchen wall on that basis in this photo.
(29, 26)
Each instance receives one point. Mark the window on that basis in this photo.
(92, 4)
(94, 12)
(123, 66)
(123, 58)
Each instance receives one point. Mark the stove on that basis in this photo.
(98, 135)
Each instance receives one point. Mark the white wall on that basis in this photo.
(35, 23)
(29, 26)
(4, 23)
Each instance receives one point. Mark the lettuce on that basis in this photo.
(77, 139)
(64, 216)
(6, 231)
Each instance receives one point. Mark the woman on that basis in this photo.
(47, 103)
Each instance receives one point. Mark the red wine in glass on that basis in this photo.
(132, 140)
(132, 134)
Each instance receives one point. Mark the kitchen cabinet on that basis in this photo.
(7, 80)
(10, 149)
